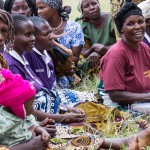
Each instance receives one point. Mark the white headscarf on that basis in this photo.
(79, 5)
(145, 7)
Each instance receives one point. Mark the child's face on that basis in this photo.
(28, 106)
(24, 37)
(43, 37)
(20, 7)
(3, 33)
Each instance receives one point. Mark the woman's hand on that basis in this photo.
(49, 126)
(37, 143)
(76, 110)
(44, 134)
(94, 59)
(99, 48)
(73, 118)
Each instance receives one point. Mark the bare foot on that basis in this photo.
(143, 137)
(134, 145)
(143, 125)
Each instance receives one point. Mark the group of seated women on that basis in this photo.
(26, 41)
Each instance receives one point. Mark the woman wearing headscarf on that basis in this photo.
(71, 32)
(116, 6)
(145, 7)
(24, 7)
(98, 31)
(66, 32)
(125, 69)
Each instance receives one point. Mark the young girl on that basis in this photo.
(18, 125)
(6, 37)
(24, 41)
(38, 60)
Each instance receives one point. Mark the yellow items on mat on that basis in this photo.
(101, 115)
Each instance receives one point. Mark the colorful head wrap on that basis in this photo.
(56, 4)
(126, 11)
(145, 7)
(14, 92)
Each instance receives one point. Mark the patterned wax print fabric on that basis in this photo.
(18, 130)
(56, 4)
(67, 96)
(75, 137)
(105, 35)
(72, 36)
(100, 116)
(47, 101)
(71, 97)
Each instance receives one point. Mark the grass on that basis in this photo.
(105, 6)
(124, 128)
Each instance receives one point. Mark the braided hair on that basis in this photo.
(18, 21)
(31, 4)
(37, 21)
(7, 19)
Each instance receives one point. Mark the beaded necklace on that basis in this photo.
(59, 25)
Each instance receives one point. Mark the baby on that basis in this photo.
(17, 124)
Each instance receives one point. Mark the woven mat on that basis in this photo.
(75, 138)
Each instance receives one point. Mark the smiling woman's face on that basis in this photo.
(133, 29)
(20, 7)
(24, 37)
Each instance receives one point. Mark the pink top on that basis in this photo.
(125, 69)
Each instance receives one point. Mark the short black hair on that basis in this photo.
(18, 19)
(31, 4)
(37, 21)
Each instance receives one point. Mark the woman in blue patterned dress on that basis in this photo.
(70, 32)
